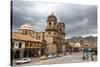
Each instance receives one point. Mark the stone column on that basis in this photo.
(27, 53)
(21, 53)
(30, 53)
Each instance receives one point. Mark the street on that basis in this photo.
(71, 58)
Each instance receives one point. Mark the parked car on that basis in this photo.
(50, 56)
(22, 61)
(54, 55)
(60, 55)
(67, 53)
(43, 57)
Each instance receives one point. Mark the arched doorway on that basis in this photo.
(17, 54)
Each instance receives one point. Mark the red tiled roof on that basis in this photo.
(19, 36)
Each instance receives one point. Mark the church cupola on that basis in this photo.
(26, 29)
(51, 22)
(52, 17)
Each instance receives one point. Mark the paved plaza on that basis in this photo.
(71, 58)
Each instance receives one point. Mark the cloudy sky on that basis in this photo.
(80, 20)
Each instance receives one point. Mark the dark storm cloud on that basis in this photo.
(79, 19)
(24, 12)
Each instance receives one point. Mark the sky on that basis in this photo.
(79, 19)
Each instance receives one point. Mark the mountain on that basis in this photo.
(77, 39)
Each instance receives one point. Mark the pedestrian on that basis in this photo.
(83, 58)
(85, 54)
(91, 54)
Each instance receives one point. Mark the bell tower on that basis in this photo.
(51, 33)
(51, 22)
(54, 35)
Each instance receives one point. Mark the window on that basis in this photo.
(39, 37)
(49, 32)
(26, 43)
(33, 36)
(25, 32)
(54, 25)
(54, 33)
(16, 44)
(20, 44)
(34, 45)
(30, 44)
(49, 23)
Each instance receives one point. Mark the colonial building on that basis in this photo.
(54, 35)
(29, 43)
(23, 45)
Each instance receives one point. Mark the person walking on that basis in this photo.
(91, 54)
(85, 54)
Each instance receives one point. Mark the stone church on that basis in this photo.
(29, 43)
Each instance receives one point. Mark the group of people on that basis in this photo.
(88, 54)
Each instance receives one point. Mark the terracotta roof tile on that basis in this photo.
(19, 36)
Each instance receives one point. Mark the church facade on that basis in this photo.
(29, 43)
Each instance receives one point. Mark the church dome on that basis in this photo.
(27, 27)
